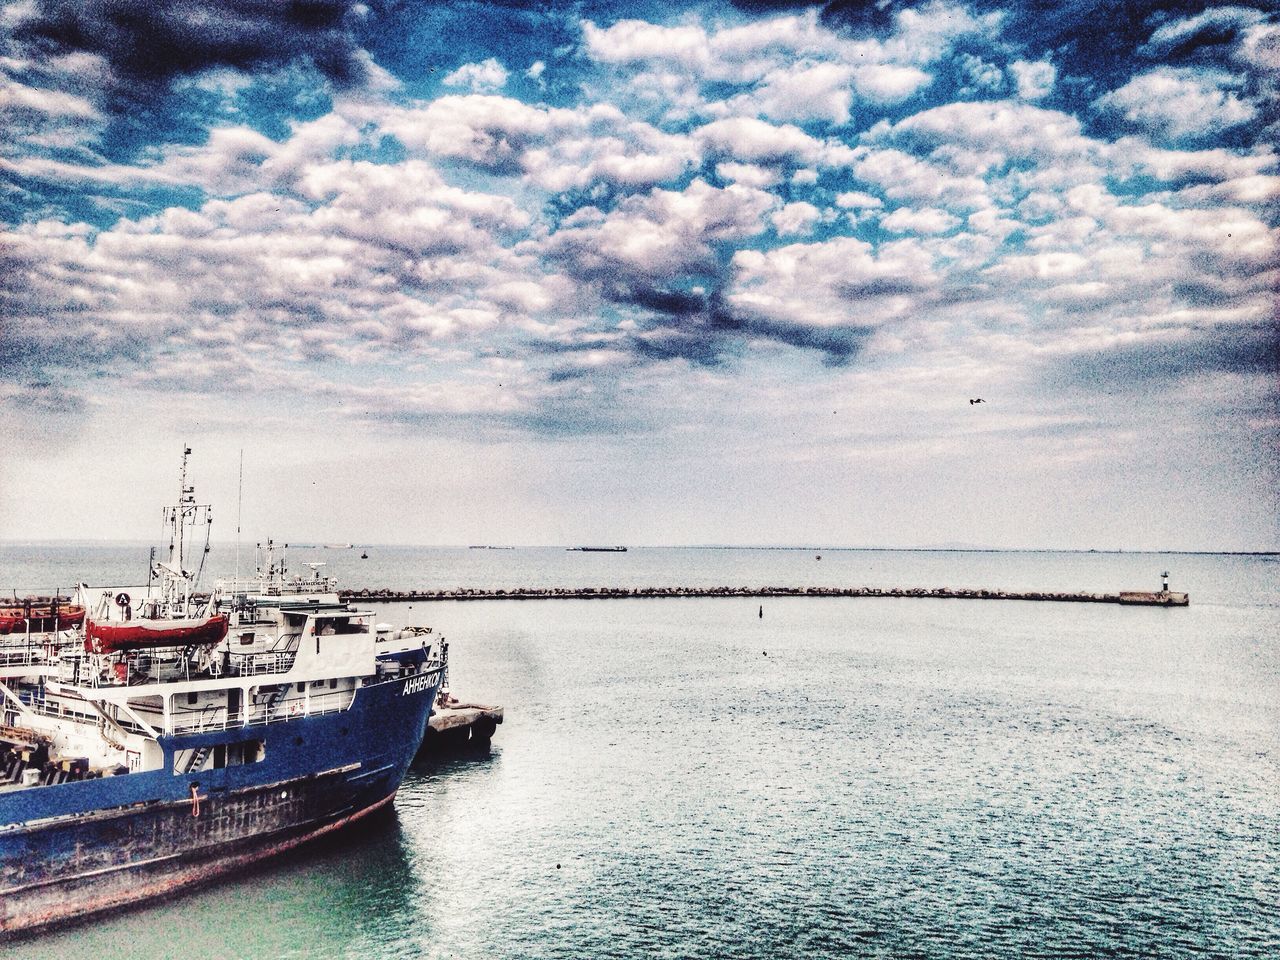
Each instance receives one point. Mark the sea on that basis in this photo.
(786, 778)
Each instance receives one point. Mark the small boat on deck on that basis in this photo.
(142, 634)
(39, 615)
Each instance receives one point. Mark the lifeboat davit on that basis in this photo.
(143, 634)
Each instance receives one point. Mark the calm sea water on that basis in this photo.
(886, 778)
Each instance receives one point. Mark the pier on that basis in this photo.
(456, 726)
(1161, 598)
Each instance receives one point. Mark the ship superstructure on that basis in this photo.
(190, 733)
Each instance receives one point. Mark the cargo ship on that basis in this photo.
(191, 734)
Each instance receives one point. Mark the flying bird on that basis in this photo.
(978, 400)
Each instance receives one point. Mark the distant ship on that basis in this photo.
(598, 549)
(185, 736)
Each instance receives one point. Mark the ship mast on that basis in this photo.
(176, 580)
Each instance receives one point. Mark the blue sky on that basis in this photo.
(720, 273)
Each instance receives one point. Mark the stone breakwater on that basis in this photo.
(1130, 598)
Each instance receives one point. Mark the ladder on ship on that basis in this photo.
(198, 756)
(273, 700)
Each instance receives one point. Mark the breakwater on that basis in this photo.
(1128, 598)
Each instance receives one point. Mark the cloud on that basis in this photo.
(796, 218)
(557, 149)
(788, 68)
(856, 200)
(1034, 81)
(1177, 103)
(839, 283)
(755, 141)
(926, 220)
(902, 176)
(748, 174)
(658, 237)
(484, 77)
(821, 91)
(695, 197)
(371, 263)
(17, 98)
(889, 83)
(146, 44)
(1182, 35)
(1158, 358)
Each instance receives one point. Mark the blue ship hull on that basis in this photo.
(74, 849)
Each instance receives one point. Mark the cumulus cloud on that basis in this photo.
(556, 148)
(658, 237)
(787, 68)
(748, 174)
(822, 91)
(796, 218)
(1033, 80)
(379, 260)
(484, 77)
(926, 220)
(755, 141)
(693, 186)
(889, 83)
(1176, 103)
(831, 295)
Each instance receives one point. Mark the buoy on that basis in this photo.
(762, 611)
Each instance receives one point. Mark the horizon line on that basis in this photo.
(314, 545)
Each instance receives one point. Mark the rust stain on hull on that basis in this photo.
(177, 880)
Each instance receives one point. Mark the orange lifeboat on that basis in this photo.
(143, 634)
(40, 612)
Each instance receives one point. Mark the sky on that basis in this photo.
(719, 273)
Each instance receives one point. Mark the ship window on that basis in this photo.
(329, 626)
(246, 638)
(246, 751)
(191, 697)
(333, 684)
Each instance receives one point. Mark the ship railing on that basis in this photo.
(258, 664)
(249, 587)
(217, 717)
(81, 712)
(24, 656)
(135, 669)
(212, 717)
(149, 667)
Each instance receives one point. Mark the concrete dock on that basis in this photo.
(456, 726)
(1161, 598)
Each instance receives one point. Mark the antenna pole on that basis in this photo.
(239, 510)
